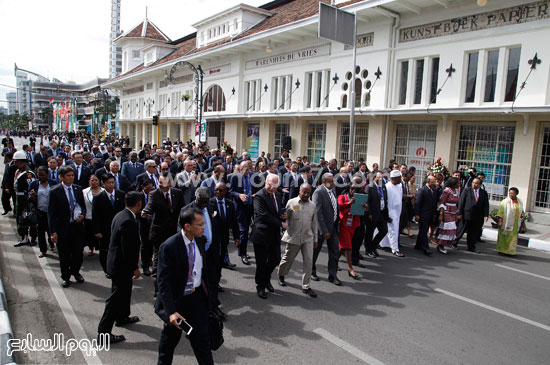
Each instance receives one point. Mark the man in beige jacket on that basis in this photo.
(301, 235)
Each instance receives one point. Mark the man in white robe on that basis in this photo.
(395, 195)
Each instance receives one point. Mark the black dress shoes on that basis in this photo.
(79, 278)
(270, 288)
(309, 292)
(22, 243)
(217, 311)
(474, 250)
(261, 293)
(314, 277)
(65, 283)
(228, 265)
(107, 276)
(245, 261)
(127, 320)
(282, 281)
(481, 241)
(146, 271)
(428, 252)
(220, 289)
(33, 242)
(375, 253)
(111, 338)
(361, 257)
(6, 212)
(335, 281)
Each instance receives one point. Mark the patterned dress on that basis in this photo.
(447, 227)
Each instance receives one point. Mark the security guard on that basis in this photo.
(23, 178)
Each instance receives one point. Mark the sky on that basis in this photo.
(69, 39)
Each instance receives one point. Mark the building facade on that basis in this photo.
(434, 79)
(115, 52)
(11, 97)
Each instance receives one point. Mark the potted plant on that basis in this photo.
(227, 148)
(185, 97)
(437, 168)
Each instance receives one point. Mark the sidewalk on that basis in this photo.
(536, 237)
(5, 328)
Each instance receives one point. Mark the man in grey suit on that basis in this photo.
(188, 181)
(131, 169)
(326, 203)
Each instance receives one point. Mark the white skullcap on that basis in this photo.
(395, 173)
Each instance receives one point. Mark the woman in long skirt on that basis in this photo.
(448, 205)
(89, 193)
(510, 214)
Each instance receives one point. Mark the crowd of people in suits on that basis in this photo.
(171, 210)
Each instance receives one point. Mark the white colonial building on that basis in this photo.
(434, 78)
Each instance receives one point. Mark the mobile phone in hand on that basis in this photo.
(184, 326)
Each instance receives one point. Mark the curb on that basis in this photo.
(6, 333)
(533, 243)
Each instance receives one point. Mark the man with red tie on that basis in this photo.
(473, 207)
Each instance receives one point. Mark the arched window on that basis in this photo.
(358, 90)
(214, 100)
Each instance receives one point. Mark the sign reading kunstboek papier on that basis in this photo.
(299, 55)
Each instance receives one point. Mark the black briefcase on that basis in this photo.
(215, 331)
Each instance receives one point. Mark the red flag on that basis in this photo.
(51, 100)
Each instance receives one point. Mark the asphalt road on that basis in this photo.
(461, 308)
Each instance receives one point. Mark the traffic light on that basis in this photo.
(155, 120)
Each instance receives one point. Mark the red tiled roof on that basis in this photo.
(288, 12)
(152, 32)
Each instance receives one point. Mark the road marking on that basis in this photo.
(67, 310)
(524, 272)
(348, 347)
(500, 311)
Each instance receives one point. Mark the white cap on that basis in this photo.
(395, 173)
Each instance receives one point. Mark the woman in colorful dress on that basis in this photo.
(348, 224)
(89, 194)
(448, 205)
(510, 214)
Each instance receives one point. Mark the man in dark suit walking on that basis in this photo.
(425, 207)
(327, 216)
(377, 217)
(104, 207)
(82, 173)
(182, 294)
(144, 228)
(266, 233)
(122, 265)
(473, 207)
(227, 221)
(131, 169)
(66, 212)
(240, 189)
(164, 206)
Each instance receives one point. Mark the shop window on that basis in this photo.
(316, 140)
(542, 183)
(404, 75)
(214, 100)
(281, 130)
(415, 146)
(361, 141)
(491, 75)
(489, 150)
(471, 77)
(512, 74)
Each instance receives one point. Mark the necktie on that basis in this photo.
(71, 202)
(112, 197)
(207, 229)
(221, 208)
(381, 192)
(274, 202)
(116, 182)
(53, 175)
(476, 193)
(333, 202)
(152, 178)
(191, 260)
(168, 200)
(78, 172)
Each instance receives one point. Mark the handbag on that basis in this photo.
(29, 218)
(215, 331)
(522, 227)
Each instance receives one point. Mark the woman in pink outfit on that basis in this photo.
(448, 205)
